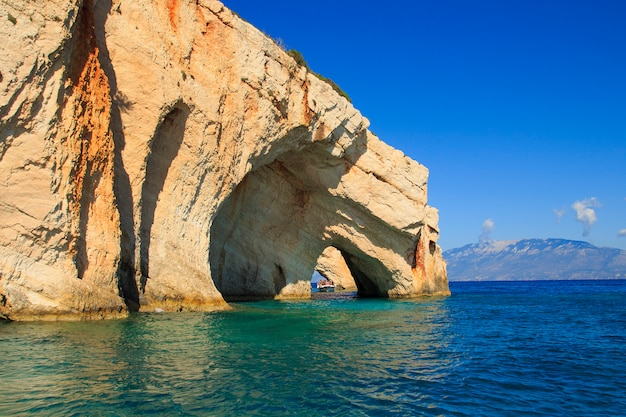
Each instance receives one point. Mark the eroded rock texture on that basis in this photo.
(166, 154)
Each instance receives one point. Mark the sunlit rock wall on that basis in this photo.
(166, 154)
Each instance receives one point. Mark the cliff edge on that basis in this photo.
(167, 154)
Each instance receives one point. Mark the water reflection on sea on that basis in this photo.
(490, 349)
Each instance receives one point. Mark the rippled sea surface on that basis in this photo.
(491, 349)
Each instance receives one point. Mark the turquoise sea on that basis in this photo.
(553, 348)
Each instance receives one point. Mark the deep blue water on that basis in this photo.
(491, 349)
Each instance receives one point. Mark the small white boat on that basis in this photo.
(325, 285)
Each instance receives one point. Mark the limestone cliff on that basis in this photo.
(166, 154)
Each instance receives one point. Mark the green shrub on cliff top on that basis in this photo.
(297, 56)
(334, 85)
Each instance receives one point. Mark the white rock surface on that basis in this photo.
(168, 155)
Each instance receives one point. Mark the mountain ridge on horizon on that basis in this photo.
(534, 259)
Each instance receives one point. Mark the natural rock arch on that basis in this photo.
(259, 239)
(267, 236)
(331, 264)
(371, 277)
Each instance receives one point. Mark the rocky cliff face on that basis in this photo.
(166, 154)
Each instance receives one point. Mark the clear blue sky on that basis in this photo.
(518, 108)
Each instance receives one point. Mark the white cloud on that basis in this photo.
(488, 226)
(621, 233)
(585, 213)
(559, 214)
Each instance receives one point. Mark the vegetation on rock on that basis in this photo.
(297, 56)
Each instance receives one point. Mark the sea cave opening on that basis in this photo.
(331, 273)
(269, 234)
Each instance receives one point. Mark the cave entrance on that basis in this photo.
(331, 266)
(267, 236)
(261, 237)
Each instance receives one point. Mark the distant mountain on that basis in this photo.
(534, 259)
